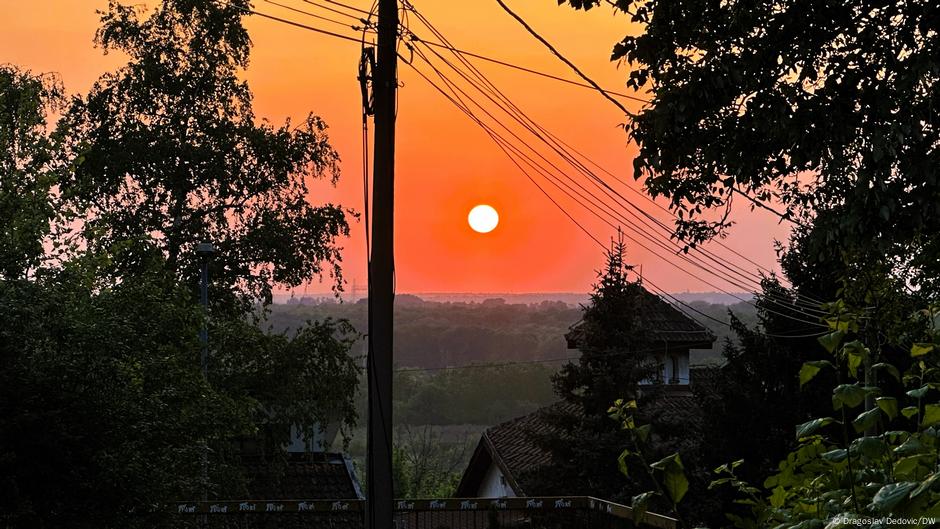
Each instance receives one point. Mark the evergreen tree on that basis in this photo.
(614, 360)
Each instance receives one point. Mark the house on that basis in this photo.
(505, 453)
(669, 328)
(305, 469)
(508, 451)
(302, 475)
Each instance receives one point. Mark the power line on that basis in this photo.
(347, 6)
(720, 261)
(350, 38)
(337, 11)
(492, 117)
(413, 37)
(574, 67)
(299, 25)
(671, 263)
(561, 57)
(309, 14)
(525, 69)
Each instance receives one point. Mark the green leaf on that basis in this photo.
(907, 467)
(639, 505)
(831, 340)
(925, 485)
(622, 462)
(854, 362)
(850, 395)
(676, 484)
(836, 456)
(866, 420)
(911, 446)
(931, 415)
(918, 393)
(890, 495)
(810, 427)
(778, 497)
(921, 349)
(889, 405)
(909, 411)
(811, 369)
(674, 480)
(870, 447)
(893, 371)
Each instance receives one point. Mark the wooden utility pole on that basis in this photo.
(382, 274)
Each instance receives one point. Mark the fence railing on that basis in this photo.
(442, 513)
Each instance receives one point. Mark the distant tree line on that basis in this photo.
(432, 334)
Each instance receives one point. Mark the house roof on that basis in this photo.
(512, 445)
(663, 323)
(321, 476)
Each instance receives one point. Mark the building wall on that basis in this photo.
(494, 485)
(667, 365)
(682, 358)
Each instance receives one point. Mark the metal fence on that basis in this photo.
(444, 513)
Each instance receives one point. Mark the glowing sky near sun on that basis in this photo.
(445, 164)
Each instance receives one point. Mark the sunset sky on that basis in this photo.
(445, 163)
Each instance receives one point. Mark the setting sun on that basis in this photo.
(483, 218)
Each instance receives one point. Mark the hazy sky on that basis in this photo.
(445, 164)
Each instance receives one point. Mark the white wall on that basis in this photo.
(494, 485)
(683, 374)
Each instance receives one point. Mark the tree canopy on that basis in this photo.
(105, 413)
(28, 164)
(168, 152)
(825, 107)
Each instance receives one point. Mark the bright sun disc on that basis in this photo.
(483, 218)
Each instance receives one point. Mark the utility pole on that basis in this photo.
(382, 274)
(205, 251)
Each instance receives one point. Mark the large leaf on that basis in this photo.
(884, 366)
(866, 419)
(906, 467)
(836, 456)
(811, 369)
(931, 415)
(870, 447)
(856, 354)
(889, 405)
(926, 485)
(831, 340)
(891, 495)
(919, 393)
(811, 427)
(676, 484)
(674, 480)
(851, 395)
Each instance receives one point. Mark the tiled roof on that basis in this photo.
(663, 323)
(321, 476)
(514, 441)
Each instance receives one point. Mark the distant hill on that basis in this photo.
(527, 298)
(489, 328)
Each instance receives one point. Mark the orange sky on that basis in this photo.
(445, 164)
